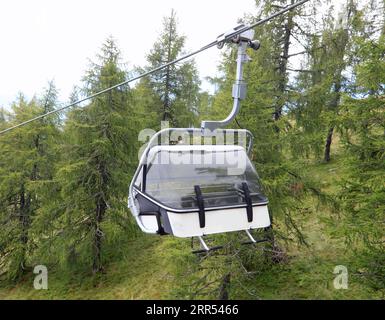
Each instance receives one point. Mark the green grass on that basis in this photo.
(150, 266)
(145, 272)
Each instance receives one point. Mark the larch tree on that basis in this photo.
(324, 78)
(176, 86)
(26, 168)
(100, 146)
(337, 42)
(286, 35)
(3, 119)
(363, 191)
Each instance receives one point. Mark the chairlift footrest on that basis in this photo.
(262, 240)
(247, 242)
(216, 248)
(207, 251)
(199, 251)
(256, 241)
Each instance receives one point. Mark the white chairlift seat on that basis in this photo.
(196, 190)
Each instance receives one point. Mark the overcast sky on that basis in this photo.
(45, 39)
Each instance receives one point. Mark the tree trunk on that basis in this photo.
(328, 144)
(101, 207)
(224, 288)
(24, 225)
(166, 106)
(282, 68)
(98, 234)
(334, 106)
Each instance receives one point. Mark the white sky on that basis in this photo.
(43, 40)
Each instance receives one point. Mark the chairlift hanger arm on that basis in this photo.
(239, 88)
(243, 36)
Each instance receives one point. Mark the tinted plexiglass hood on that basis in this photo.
(219, 171)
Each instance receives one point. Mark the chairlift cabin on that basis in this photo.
(187, 189)
(195, 190)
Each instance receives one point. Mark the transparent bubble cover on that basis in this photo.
(219, 170)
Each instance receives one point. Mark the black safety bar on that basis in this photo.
(201, 206)
(249, 203)
(160, 230)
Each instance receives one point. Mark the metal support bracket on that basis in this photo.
(250, 236)
(252, 240)
(203, 244)
(204, 247)
(244, 40)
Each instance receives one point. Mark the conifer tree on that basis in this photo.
(338, 47)
(2, 117)
(324, 77)
(25, 168)
(147, 103)
(363, 192)
(101, 143)
(176, 86)
(282, 35)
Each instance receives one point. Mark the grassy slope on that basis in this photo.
(148, 269)
(309, 274)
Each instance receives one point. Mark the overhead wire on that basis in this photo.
(225, 37)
